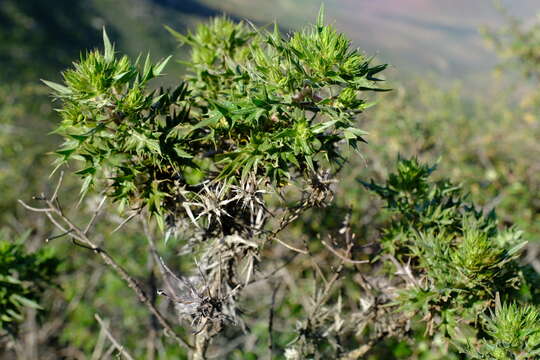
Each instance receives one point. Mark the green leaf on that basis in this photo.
(26, 302)
(160, 221)
(309, 161)
(319, 128)
(517, 248)
(79, 138)
(57, 87)
(88, 171)
(212, 120)
(15, 315)
(66, 153)
(320, 17)
(158, 68)
(88, 180)
(122, 76)
(181, 38)
(356, 131)
(182, 153)
(108, 47)
(147, 69)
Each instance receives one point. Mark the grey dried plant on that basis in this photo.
(193, 299)
(220, 208)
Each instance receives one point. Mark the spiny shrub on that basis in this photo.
(260, 114)
(513, 332)
(454, 262)
(257, 108)
(237, 151)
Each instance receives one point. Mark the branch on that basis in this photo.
(271, 322)
(118, 346)
(95, 215)
(289, 246)
(345, 259)
(76, 233)
(125, 221)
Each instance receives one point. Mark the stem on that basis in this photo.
(115, 342)
(202, 341)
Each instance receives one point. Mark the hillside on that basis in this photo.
(38, 39)
(415, 36)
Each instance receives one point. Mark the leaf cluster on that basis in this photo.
(285, 102)
(513, 332)
(256, 106)
(418, 205)
(452, 257)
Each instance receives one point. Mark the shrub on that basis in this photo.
(260, 118)
(452, 259)
(228, 159)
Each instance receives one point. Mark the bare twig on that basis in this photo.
(76, 233)
(58, 185)
(290, 246)
(125, 221)
(100, 345)
(271, 322)
(50, 238)
(95, 215)
(345, 259)
(34, 209)
(152, 257)
(118, 346)
(404, 271)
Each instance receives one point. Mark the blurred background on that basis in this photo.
(464, 76)
(417, 37)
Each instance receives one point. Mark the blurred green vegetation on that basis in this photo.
(490, 147)
(488, 142)
(23, 279)
(40, 37)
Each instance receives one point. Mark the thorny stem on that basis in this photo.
(343, 259)
(204, 338)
